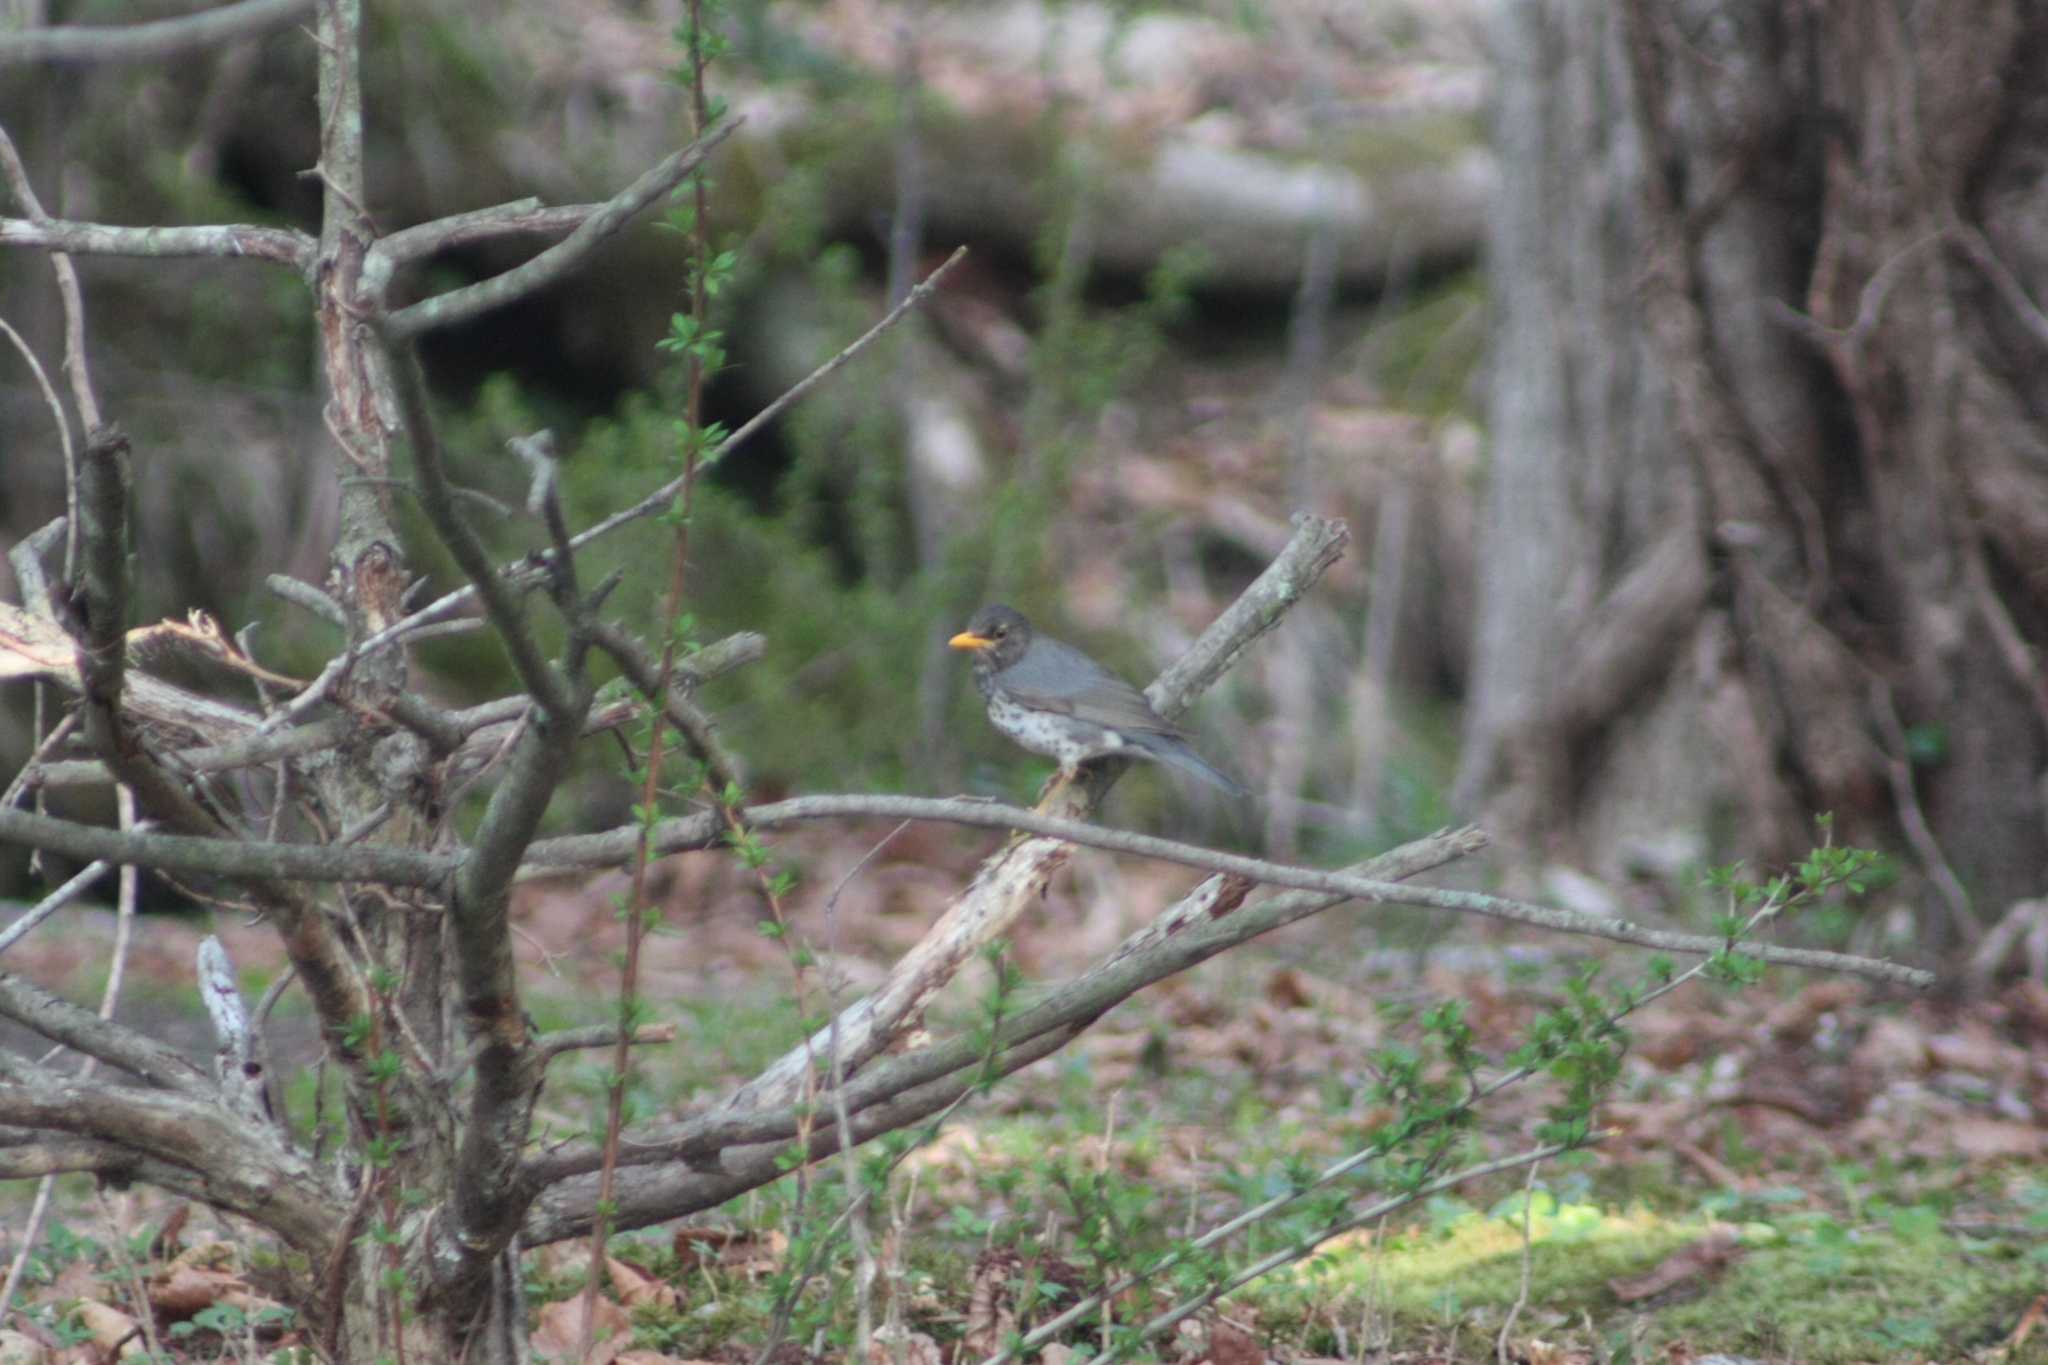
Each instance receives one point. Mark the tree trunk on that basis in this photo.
(1770, 476)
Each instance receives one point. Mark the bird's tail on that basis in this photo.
(1176, 751)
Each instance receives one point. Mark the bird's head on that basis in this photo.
(996, 635)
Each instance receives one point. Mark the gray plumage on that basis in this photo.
(1053, 699)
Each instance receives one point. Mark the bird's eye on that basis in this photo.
(1000, 631)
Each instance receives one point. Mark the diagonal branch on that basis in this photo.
(150, 42)
(1014, 878)
(1168, 945)
(897, 1093)
(468, 229)
(437, 499)
(57, 1019)
(644, 669)
(460, 305)
(525, 573)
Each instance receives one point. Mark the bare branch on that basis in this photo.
(231, 858)
(1316, 545)
(474, 728)
(307, 598)
(643, 668)
(280, 246)
(536, 674)
(151, 42)
(460, 305)
(469, 229)
(26, 1154)
(26, 558)
(51, 904)
(57, 1019)
(524, 573)
(1168, 945)
(103, 643)
(321, 862)
(590, 1036)
(82, 394)
(63, 424)
(662, 496)
(479, 1220)
(700, 830)
(244, 1169)
(647, 1194)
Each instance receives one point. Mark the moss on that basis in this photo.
(1473, 1266)
(1825, 1294)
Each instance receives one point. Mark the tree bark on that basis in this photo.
(1769, 478)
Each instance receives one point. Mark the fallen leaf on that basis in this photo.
(1708, 1255)
(113, 1332)
(179, 1291)
(560, 1333)
(636, 1288)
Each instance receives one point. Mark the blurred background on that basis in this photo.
(1674, 389)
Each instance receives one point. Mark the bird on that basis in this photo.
(1052, 699)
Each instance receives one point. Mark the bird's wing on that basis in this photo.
(1056, 677)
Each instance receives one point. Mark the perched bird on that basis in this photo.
(1053, 699)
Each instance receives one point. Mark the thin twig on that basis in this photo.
(1507, 1327)
(699, 831)
(592, 1036)
(657, 683)
(469, 229)
(50, 400)
(82, 395)
(124, 924)
(145, 1315)
(1166, 1321)
(150, 42)
(52, 903)
(661, 497)
(318, 862)
(460, 305)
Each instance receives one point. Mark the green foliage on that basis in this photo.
(228, 1320)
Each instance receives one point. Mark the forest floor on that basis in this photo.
(1809, 1170)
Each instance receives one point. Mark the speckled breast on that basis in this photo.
(1043, 732)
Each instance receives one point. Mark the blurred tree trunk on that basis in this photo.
(1769, 500)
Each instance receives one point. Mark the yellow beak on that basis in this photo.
(967, 639)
